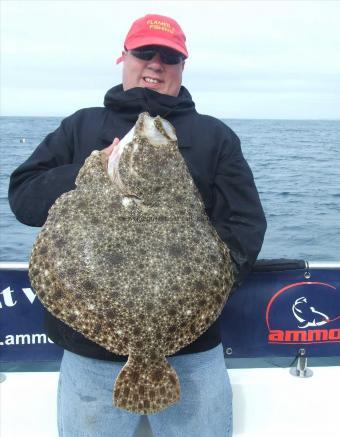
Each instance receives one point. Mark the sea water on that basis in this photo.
(296, 167)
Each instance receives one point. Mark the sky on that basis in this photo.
(247, 58)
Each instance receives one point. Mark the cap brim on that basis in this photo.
(147, 41)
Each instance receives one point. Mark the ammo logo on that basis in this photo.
(304, 312)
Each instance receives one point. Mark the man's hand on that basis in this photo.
(108, 150)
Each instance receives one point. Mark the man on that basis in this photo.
(153, 61)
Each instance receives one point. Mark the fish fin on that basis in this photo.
(146, 386)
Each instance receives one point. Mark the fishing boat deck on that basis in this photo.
(267, 401)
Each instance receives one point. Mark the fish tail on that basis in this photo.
(146, 386)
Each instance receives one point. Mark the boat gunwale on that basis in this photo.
(309, 265)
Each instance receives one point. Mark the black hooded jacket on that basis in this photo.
(213, 156)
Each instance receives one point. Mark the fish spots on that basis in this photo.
(193, 328)
(135, 290)
(95, 220)
(175, 250)
(34, 272)
(199, 286)
(213, 258)
(82, 204)
(157, 375)
(172, 311)
(134, 376)
(43, 250)
(88, 285)
(215, 283)
(97, 328)
(172, 329)
(129, 304)
(218, 299)
(202, 302)
(175, 288)
(71, 318)
(48, 282)
(60, 243)
(71, 272)
(114, 258)
(162, 391)
(149, 306)
(173, 379)
(141, 390)
(153, 275)
(154, 356)
(136, 331)
(111, 313)
(115, 204)
(58, 294)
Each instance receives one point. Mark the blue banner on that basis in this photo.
(279, 312)
(274, 314)
(22, 337)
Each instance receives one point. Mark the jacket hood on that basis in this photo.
(132, 102)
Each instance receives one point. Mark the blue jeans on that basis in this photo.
(85, 406)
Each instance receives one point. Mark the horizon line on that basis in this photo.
(221, 118)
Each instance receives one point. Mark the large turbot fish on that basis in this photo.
(130, 260)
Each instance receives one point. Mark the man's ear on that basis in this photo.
(183, 63)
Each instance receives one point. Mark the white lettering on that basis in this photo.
(29, 294)
(22, 339)
(25, 339)
(40, 337)
(9, 340)
(8, 300)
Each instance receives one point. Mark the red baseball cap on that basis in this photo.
(155, 29)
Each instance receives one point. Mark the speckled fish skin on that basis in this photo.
(134, 264)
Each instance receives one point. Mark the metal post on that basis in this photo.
(301, 370)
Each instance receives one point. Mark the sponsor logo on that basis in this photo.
(164, 26)
(304, 312)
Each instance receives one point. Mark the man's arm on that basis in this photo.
(237, 213)
(44, 176)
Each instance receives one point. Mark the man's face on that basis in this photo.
(153, 74)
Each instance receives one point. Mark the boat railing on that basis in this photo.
(286, 310)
